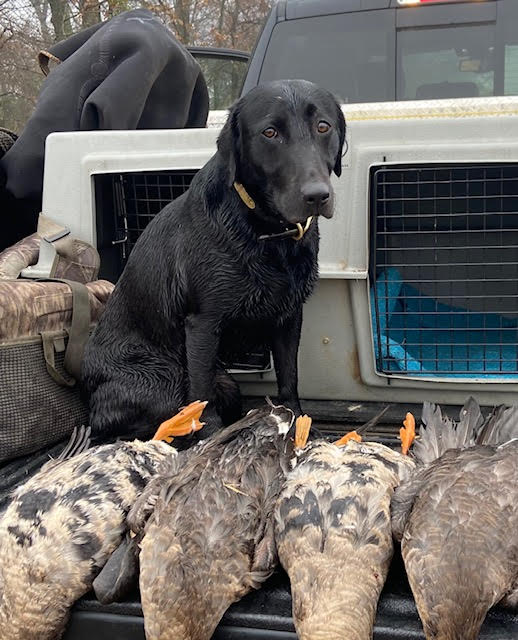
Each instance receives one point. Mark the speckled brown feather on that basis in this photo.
(59, 530)
(458, 518)
(333, 534)
(210, 538)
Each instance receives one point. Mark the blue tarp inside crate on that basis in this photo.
(420, 336)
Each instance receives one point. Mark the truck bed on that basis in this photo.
(267, 613)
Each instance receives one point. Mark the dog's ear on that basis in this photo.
(229, 143)
(341, 138)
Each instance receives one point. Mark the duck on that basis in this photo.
(206, 531)
(456, 518)
(120, 574)
(62, 525)
(333, 532)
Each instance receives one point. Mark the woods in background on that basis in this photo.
(26, 26)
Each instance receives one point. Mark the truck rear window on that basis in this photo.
(350, 54)
(363, 57)
(446, 62)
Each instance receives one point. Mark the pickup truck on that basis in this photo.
(417, 298)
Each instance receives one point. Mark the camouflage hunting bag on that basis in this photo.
(51, 252)
(43, 329)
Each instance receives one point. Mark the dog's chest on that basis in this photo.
(274, 287)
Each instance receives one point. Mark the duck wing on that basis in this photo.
(144, 505)
(459, 545)
(120, 573)
(403, 499)
(402, 503)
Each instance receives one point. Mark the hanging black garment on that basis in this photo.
(127, 73)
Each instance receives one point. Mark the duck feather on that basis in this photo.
(500, 427)
(209, 539)
(333, 534)
(438, 432)
(79, 442)
(456, 519)
(60, 528)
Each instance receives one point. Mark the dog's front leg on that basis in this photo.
(285, 347)
(202, 337)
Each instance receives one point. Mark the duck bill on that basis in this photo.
(336, 602)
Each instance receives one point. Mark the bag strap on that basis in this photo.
(79, 329)
(47, 338)
(77, 334)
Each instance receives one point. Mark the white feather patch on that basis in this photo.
(282, 425)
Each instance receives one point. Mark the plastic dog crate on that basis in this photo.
(418, 294)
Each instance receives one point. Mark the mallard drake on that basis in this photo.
(209, 539)
(333, 534)
(62, 525)
(457, 519)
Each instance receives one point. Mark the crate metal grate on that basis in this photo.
(444, 270)
(137, 198)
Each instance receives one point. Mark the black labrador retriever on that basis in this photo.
(233, 259)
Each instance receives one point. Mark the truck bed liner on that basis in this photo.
(267, 614)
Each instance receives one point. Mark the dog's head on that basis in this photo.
(281, 141)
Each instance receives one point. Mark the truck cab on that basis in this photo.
(388, 50)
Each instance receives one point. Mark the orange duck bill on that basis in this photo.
(302, 427)
(186, 421)
(352, 435)
(407, 433)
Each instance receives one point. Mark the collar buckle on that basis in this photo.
(302, 231)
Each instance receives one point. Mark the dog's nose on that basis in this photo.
(315, 193)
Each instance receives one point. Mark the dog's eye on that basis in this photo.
(270, 132)
(323, 126)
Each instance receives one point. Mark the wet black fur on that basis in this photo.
(199, 280)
